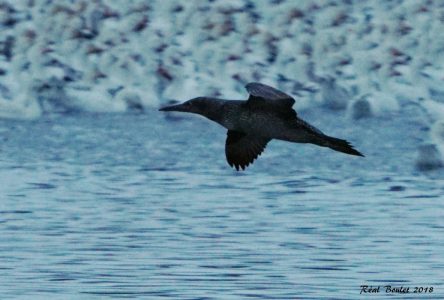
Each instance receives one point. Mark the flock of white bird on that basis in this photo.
(366, 57)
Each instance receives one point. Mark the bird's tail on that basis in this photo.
(339, 145)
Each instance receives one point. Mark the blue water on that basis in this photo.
(145, 206)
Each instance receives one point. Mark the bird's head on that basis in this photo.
(199, 105)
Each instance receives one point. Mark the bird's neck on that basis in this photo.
(223, 111)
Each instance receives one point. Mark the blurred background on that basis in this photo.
(367, 58)
(101, 195)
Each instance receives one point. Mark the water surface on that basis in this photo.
(142, 206)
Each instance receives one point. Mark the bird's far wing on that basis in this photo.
(264, 96)
(263, 93)
(242, 149)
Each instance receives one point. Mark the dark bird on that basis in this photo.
(251, 124)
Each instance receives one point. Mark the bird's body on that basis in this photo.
(251, 124)
(236, 116)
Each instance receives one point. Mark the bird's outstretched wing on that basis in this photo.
(264, 96)
(260, 91)
(242, 149)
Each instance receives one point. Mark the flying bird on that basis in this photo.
(267, 114)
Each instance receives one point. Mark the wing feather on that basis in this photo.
(266, 97)
(261, 92)
(242, 149)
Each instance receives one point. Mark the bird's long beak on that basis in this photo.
(178, 107)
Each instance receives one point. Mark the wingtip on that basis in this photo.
(238, 167)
